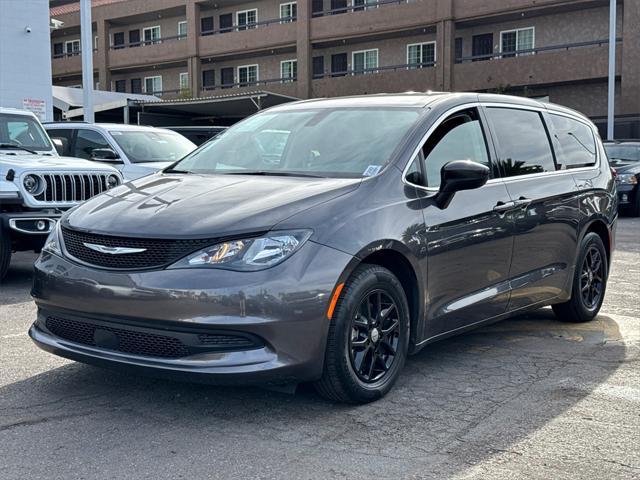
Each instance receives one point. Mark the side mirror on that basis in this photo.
(457, 176)
(59, 144)
(105, 155)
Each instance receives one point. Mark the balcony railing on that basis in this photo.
(249, 26)
(253, 83)
(70, 54)
(369, 71)
(143, 43)
(358, 8)
(534, 51)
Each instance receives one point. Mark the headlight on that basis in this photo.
(249, 254)
(52, 245)
(627, 178)
(33, 184)
(112, 182)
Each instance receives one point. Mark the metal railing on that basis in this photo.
(359, 8)
(143, 43)
(253, 83)
(534, 51)
(70, 54)
(248, 26)
(374, 70)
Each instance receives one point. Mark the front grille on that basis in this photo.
(157, 253)
(73, 187)
(137, 341)
(128, 341)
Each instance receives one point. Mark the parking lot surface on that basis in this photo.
(525, 398)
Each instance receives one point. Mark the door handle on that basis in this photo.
(502, 207)
(522, 202)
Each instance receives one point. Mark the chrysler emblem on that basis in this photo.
(113, 250)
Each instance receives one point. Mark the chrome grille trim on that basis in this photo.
(70, 188)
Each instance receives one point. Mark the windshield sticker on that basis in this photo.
(372, 170)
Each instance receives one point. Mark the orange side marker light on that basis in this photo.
(334, 300)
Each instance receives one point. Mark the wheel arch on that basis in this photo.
(600, 228)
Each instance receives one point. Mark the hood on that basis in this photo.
(20, 162)
(202, 206)
(153, 166)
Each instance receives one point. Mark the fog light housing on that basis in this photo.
(41, 225)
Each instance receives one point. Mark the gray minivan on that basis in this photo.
(366, 229)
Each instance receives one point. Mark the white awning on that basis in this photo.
(69, 100)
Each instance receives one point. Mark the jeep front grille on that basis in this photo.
(74, 187)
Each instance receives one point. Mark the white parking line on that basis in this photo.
(13, 335)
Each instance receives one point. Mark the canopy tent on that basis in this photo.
(69, 100)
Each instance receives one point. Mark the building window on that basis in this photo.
(151, 35)
(246, 19)
(134, 38)
(247, 75)
(184, 83)
(317, 7)
(182, 30)
(72, 48)
(482, 47)
(208, 79)
(339, 64)
(226, 77)
(364, 61)
(420, 55)
(58, 50)
(458, 50)
(364, 4)
(136, 85)
(318, 66)
(118, 40)
(288, 70)
(206, 25)
(288, 11)
(120, 85)
(226, 22)
(153, 85)
(514, 41)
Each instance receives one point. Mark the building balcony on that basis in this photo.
(281, 86)
(164, 50)
(378, 18)
(252, 37)
(390, 79)
(67, 64)
(536, 67)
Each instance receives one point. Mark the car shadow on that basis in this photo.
(16, 285)
(457, 403)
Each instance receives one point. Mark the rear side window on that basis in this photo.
(576, 145)
(87, 141)
(522, 141)
(64, 135)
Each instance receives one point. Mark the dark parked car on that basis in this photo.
(624, 157)
(366, 229)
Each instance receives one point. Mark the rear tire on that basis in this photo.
(5, 253)
(589, 283)
(368, 338)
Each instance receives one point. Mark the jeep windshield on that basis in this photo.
(152, 146)
(23, 132)
(337, 142)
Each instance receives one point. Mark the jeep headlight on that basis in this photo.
(249, 254)
(52, 244)
(33, 184)
(112, 182)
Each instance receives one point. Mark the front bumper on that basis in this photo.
(24, 228)
(284, 308)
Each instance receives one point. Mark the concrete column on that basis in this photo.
(445, 59)
(303, 48)
(193, 39)
(630, 59)
(101, 57)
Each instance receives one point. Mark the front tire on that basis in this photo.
(5, 253)
(368, 338)
(589, 283)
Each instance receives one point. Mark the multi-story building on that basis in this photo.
(551, 49)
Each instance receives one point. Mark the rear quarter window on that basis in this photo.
(575, 143)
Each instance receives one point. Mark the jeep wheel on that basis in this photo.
(5, 253)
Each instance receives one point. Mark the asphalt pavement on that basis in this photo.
(527, 398)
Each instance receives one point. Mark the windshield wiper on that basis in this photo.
(271, 173)
(174, 170)
(17, 147)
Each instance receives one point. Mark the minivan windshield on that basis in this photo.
(336, 142)
(152, 146)
(23, 131)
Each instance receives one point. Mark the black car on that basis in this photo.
(624, 157)
(326, 240)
